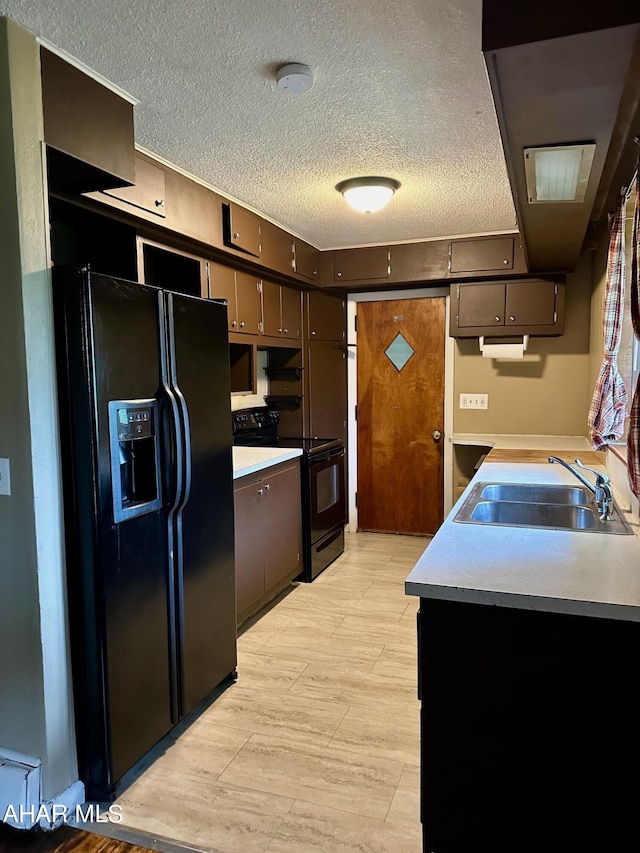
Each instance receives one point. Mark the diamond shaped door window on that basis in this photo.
(399, 352)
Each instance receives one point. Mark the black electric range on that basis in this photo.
(324, 500)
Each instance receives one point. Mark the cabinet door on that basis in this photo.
(530, 303)
(282, 543)
(222, 285)
(291, 310)
(326, 377)
(481, 255)
(481, 304)
(148, 192)
(326, 317)
(249, 546)
(244, 230)
(277, 248)
(86, 121)
(271, 313)
(306, 260)
(249, 303)
(362, 264)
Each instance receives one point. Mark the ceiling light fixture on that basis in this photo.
(366, 195)
(557, 173)
(294, 78)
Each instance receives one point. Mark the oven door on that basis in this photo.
(328, 502)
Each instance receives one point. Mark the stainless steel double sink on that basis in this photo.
(552, 507)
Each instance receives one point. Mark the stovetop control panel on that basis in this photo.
(254, 419)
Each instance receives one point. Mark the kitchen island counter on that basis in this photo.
(560, 571)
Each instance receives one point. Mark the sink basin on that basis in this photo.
(551, 507)
(536, 493)
(535, 515)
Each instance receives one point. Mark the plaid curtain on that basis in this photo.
(633, 440)
(609, 404)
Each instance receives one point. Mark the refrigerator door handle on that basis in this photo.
(177, 437)
(186, 426)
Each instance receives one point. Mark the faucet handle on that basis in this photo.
(601, 479)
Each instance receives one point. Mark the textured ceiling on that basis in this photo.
(400, 90)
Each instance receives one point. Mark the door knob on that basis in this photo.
(436, 435)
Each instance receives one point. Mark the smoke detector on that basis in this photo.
(294, 78)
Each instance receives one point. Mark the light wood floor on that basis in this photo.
(316, 747)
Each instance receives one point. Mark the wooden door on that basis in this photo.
(326, 317)
(400, 407)
(249, 545)
(282, 544)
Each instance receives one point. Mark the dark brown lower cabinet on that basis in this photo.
(529, 730)
(268, 535)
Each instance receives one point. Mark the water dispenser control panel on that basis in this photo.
(135, 458)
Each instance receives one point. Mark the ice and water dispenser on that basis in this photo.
(135, 458)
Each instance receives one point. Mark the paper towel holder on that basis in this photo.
(525, 344)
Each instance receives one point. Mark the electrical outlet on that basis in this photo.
(5, 477)
(474, 401)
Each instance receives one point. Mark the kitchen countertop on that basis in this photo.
(578, 572)
(249, 460)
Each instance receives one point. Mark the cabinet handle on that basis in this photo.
(159, 202)
(260, 491)
(279, 331)
(506, 262)
(285, 331)
(339, 274)
(236, 234)
(512, 318)
(267, 487)
(242, 324)
(497, 319)
(234, 323)
(314, 272)
(313, 333)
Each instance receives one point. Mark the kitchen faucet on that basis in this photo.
(601, 491)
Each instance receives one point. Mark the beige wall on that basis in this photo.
(35, 686)
(546, 396)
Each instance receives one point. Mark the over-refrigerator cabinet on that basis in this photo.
(147, 470)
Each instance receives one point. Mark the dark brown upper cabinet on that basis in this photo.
(149, 191)
(172, 269)
(525, 307)
(481, 255)
(277, 248)
(306, 261)
(366, 264)
(222, 285)
(88, 130)
(242, 229)
(281, 311)
(326, 317)
(248, 293)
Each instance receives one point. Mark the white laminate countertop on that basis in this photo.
(249, 460)
(578, 572)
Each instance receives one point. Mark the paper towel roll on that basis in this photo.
(503, 351)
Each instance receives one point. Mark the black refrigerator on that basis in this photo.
(148, 489)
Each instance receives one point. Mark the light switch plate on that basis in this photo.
(474, 401)
(5, 477)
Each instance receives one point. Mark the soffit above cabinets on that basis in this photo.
(562, 89)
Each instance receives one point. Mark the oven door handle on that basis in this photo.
(336, 453)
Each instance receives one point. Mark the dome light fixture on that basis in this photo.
(367, 195)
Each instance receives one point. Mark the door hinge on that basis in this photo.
(355, 408)
(356, 496)
(355, 323)
(206, 272)
(449, 264)
(259, 286)
(261, 327)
